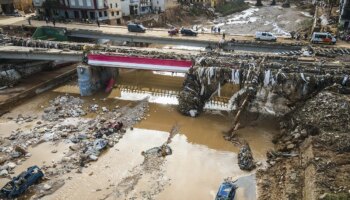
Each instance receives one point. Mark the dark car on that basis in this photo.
(188, 32)
(227, 191)
(136, 28)
(22, 182)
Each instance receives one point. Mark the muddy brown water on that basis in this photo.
(201, 157)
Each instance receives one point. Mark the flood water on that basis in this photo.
(201, 158)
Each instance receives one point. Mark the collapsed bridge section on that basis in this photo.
(270, 88)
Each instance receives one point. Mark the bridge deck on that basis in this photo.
(119, 61)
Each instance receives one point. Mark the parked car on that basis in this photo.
(267, 36)
(22, 182)
(227, 191)
(325, 38)
(188, 32)
(136, 28)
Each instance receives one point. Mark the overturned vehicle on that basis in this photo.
(18, 185)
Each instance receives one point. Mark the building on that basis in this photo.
(344, 18)
(108, 11)
(130, 7)
(145, 6)
(7, 6)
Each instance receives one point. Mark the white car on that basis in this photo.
(326, 38)
(267, 36)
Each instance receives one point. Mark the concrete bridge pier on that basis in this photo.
(94, 78)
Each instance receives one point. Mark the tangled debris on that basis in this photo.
(63, 107)
(272, 82)
(245, 158)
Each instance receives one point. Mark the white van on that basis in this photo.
(265, 36)
(325, 38)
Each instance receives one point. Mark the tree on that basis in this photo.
(273, 2)
(331, 4)
(258, 3)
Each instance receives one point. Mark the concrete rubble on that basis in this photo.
(245, 158)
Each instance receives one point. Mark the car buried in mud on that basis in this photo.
(227, 191)
(18, 185)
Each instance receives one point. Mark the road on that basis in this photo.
(151, 32)
(109, 29)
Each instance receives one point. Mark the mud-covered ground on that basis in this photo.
(56, 131)
(273, 19)
(312, 157)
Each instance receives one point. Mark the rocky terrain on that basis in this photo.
(312, 154)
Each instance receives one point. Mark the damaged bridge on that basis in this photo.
(267, 87)
(97, 60)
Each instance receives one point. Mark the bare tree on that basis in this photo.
(331, 4)
(258, 3)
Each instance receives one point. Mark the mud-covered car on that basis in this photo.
(227, 191)
(19, 184)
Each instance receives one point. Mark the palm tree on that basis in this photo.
(258, 3)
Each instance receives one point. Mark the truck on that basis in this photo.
(136, 28)
(323, 38)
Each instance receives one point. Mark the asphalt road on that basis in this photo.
(154, 32)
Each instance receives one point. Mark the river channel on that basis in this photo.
(201, 158)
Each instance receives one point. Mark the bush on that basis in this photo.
(234, 6)
(305, 25)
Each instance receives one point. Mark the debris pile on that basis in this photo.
(327, 111)
(314, 142)
(245, 158)
(63, 107)
(276, 85)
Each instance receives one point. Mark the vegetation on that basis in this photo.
(305, 25)
(234, 6)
